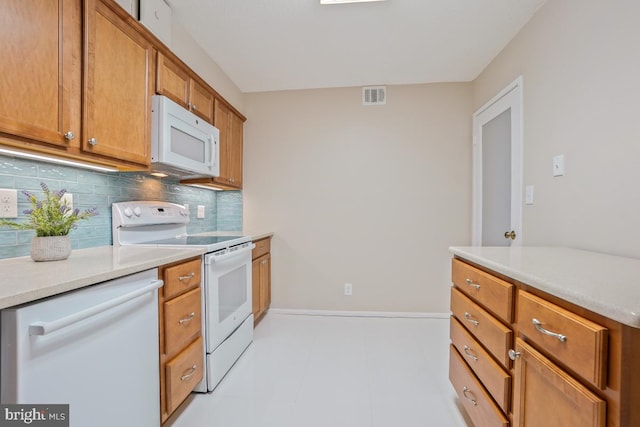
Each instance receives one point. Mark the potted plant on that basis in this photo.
(52, 220)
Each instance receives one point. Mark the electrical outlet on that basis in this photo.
(8, 203)
(68, 197)
(348, 289)
(200, 212)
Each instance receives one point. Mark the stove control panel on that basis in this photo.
(133, 214)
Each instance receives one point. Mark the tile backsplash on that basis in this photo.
(223, 209)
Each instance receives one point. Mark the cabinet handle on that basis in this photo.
(92, 141)
(538, 325)
(263, 262)
(194, 107)
(188, 374)
(187, 277)
(469, 353)
(189, 318)
(470, 319)
(470, 283)
(513, 355)
(69, 136)
(510, 235)
(465, 390)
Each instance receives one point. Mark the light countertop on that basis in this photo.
(23, 280)
(252, 236)
(604, 284)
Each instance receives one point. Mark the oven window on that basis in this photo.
(232, 292)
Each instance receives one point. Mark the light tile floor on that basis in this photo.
(317, 371)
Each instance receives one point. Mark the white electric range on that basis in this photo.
(226, 302)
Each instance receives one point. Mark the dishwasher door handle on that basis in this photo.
(44, 328)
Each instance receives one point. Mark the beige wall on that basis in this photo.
(580, 61)
(183, 45)
(373, 196)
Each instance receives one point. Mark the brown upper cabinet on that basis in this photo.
(40, 71)
(48, 74)
(118, 86)
(176, 83)
(230, 126)
(77, 78)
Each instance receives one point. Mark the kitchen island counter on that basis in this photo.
(22, 280)
(602, 283)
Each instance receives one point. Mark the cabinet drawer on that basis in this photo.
(491, 375)
(574, 341)
(182, 320)
(182, 277)
(183, 372)
(475, 399)
(263, 246)
(489, 291)
(495, 336)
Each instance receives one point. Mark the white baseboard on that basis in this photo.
(340, 313)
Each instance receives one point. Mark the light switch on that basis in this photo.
(528, 197)
(558, 165)
(200, 213)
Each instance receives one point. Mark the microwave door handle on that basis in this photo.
(211, 151)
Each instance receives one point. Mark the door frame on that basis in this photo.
(509, 97)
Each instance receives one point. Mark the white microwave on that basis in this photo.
(183, 145)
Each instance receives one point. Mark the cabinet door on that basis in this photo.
(201, 101)
(172, 81)
(544, 395)
(235, 150)
(265, 282)
(40, 69)
(255, 288)
(118, 87)
(222, 117)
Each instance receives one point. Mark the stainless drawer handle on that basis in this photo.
(188, 374)
(513, 355)
(538, 325)
(189, 318)
(187, 277)
(470, 283)
(470, 319)
(465, 390)
(470, 354)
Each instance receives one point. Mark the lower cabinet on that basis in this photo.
(181, 341)
(261, 277)
(551, 363)
(545, 395)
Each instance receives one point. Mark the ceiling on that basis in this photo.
(269, 45)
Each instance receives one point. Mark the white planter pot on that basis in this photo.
(50, 248)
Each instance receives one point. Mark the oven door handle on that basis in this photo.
(213, 258)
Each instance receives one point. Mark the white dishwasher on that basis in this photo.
(95, 349)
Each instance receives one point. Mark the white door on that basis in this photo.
(497, 169)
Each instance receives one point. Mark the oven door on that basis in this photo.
(227, 293)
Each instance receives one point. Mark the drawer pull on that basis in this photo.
(187, 277)
(188, 374)
(470, 319)
(189, 318)
(513, 355)
(465, 390)
(469, 353)
(470, 283)
(538, 325)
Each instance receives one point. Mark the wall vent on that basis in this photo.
(374, 95)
